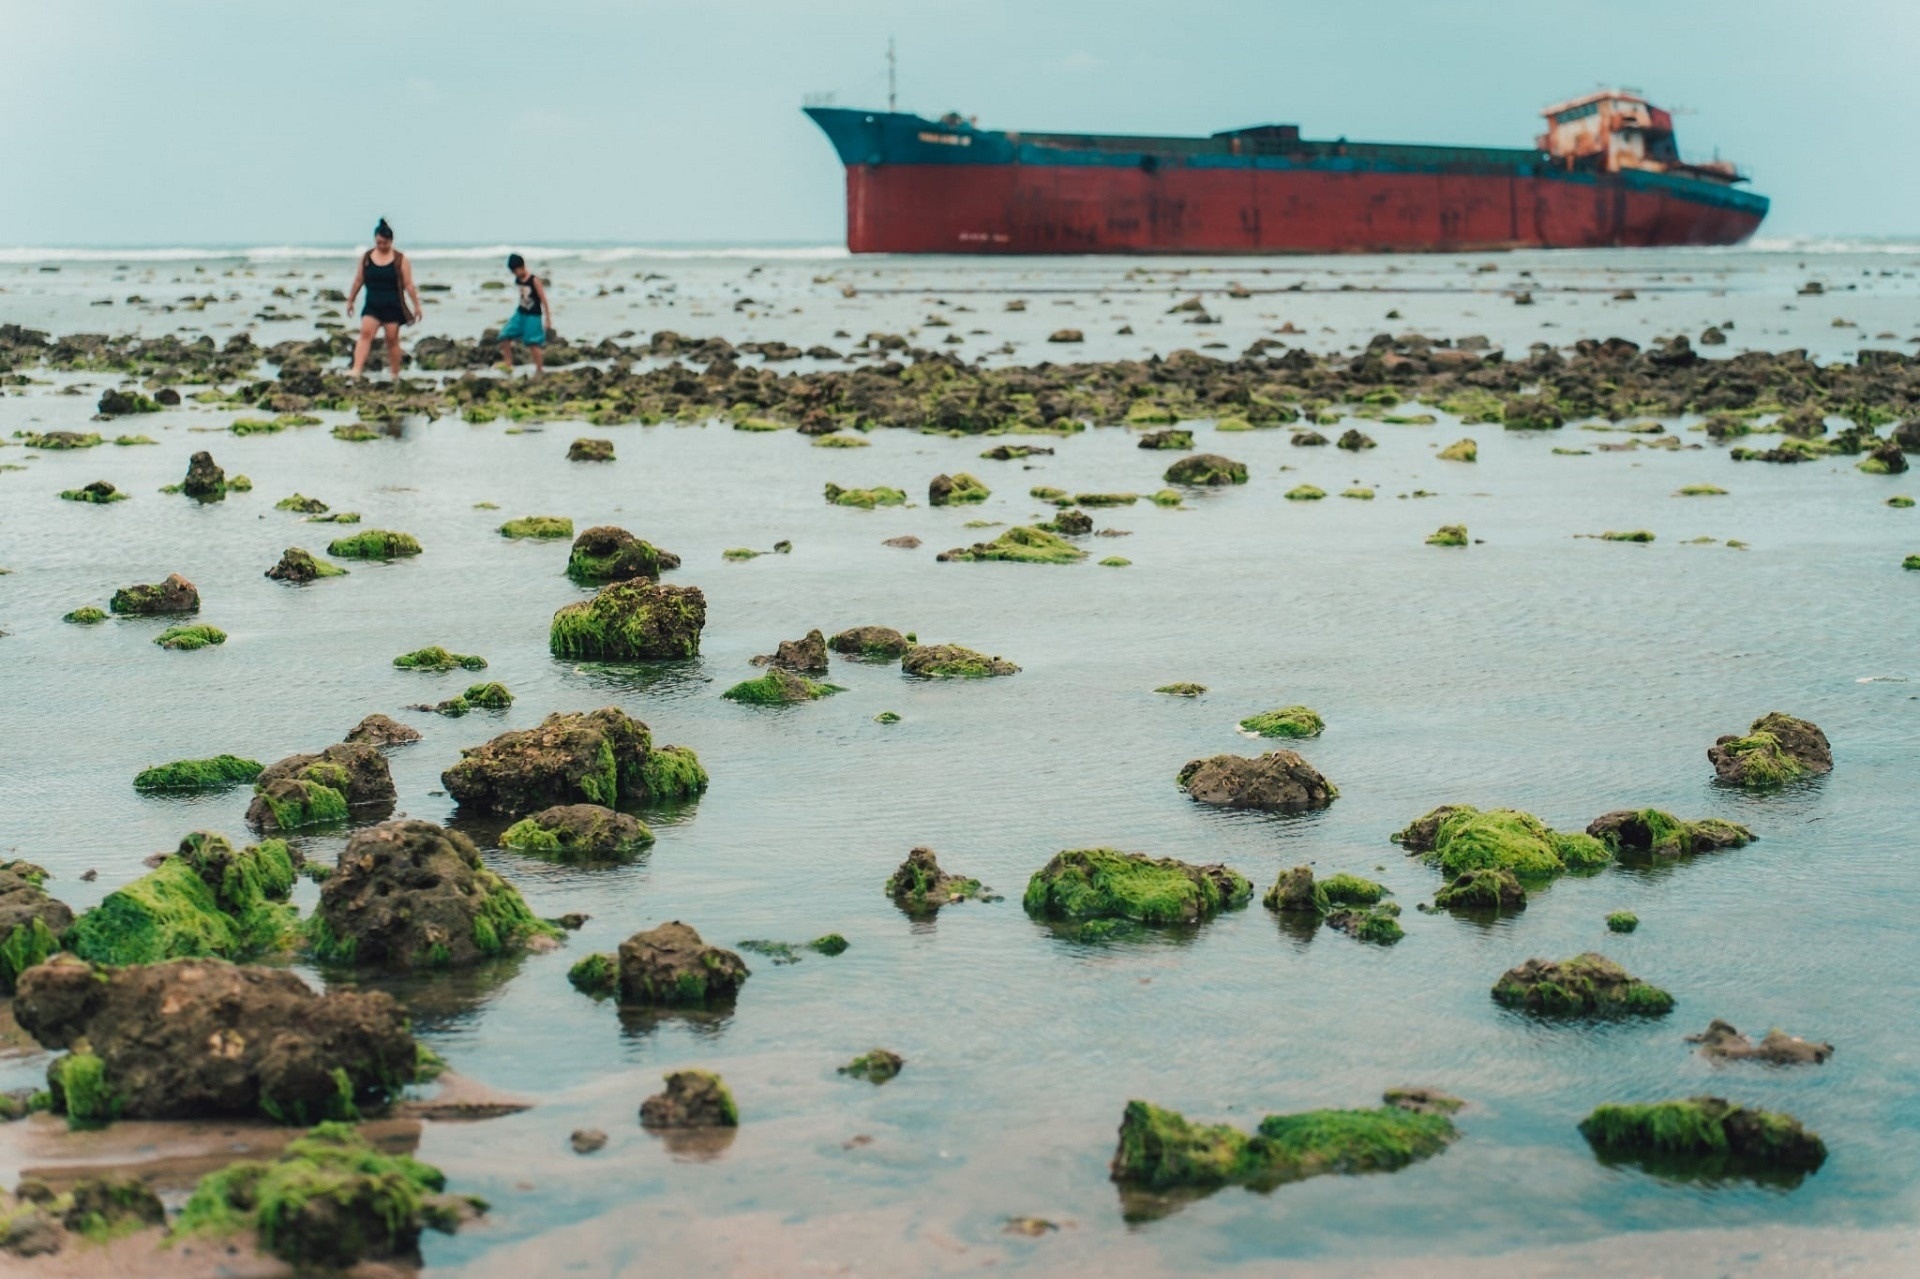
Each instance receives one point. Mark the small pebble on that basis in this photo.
(587, 1140)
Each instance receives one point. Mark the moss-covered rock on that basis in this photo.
(579, 833)
(1167, 439)
(1648, 834)
(958, 489)
(1448, 535)
(1705, 1135)
(1103, 883)
(299, 566)
(302, 504)
(597, 975)
(601, 757)
(215, 773)
(871, 643)
(1068, 523)
(587, 449)
(540, 527)
(411, 894)
(1379, 924)
(1182, 689)
(919, 887)
(693, 1099)
(876, 1066)
(608, 554)
(1305, 493)
(313, 790)
(1622, 921)
(374, 544)
(175, 595)
(1161, 1150)
(1288, 721)
(951, 661)
(1487, 889)
(1022, 544)
(435, 658)
(1278, 781)
(204, 1038)
(1777, 749)
(1462, 450)
(86, 615)
(1354, 440)
(31, 921)
(1208, 469)
(670, 966)
(329, 1201)
(186, 639)
(1587, 985)
(60, 441)
(1457, 839)
(98, 493)
(779, 687)
(631, 621)
(865, 499)
(205, 481)
(206, 899)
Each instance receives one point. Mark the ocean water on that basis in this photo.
(1535, 668)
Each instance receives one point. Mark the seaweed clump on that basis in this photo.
(205, 899)
(959, 489)
(876, 1066)
(1288, 721)
(1208, 469)
(779, 687)
(215, 773)
(435, 658)
(865, 499)
(98, 493)
(1458, 839)
(539, 527)
(186, 639)
(300, 566)
(1777, 749)
(1448, 535)
(31, 921)
(1104, 883)
(1704, 1136)
(600, 757)
(374, 544)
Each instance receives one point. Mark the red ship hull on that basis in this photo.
(1018, 208)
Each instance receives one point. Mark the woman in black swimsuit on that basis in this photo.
(388, 279)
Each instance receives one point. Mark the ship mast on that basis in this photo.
(889, 74)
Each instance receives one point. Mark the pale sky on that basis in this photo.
(216, 122)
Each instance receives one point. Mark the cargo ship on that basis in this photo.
(1607, 173)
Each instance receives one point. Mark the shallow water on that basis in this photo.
(1533, 669)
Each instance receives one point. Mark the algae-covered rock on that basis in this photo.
(310, 790)
(1305, 493)
(1103, 883)
(118, 402)
(1296, 893)
(871, 643)
(382, 730)
(1448, 535)
(205, 481)
(540, 527)
(670, 966)
(1169, 438)
(206, 899)
(1378, 924)
(1707, 1135)
(1161, 1150)
(959, 489)
(587, 449)
(489, 696)
(1278, 781)
(1208, 469)
(98, 493)
(1587, 985)
(1288, 721)
(865, 499)
(1182, 689)
(1022, 544)
(951, 661)
(1463, 450)
(1355, 441)
(579, 832)
(1307, 439)
(329, 1201)
(599, 757)
(411, 894)
(86, 615)
(1650, 834)
(187, 639)
(693, 1099)
(1722, 1042)
(302, 504)
(1487, 889)
(175, 595)
(918, 886)
(298, 565)
(1777, 749)
(1069, 523)
(215, 773)
(608, 554)
(374, 544)
(631, 621)
(779, 687)
(1458, 839)
(435, 658)
(807, 655)
(31, 921)
(876, 1066)
(203, 1038)
(1622, 921)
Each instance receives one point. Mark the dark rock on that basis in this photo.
(588, 450)
(693, 1099)
(111, 1204)
(808, 655)
(1308, 439)
(380, 730)
(906, 543)
(939, 661)
(1586, 985)
(1354, 441)
(175, 595)
(1490, 888)
(1278, 781)
(587, 1140)
(194, 1038)
(204, 479)
(608, 554)
(1295, 893)
(1650, 833)
(919, 886)
(875, 643)
(670, 966)
(597, 757)
(299, 566)
(1722, 1042)
(1071, 522)
(1208, 469)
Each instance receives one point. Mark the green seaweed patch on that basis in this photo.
(98, 493)
(1764, 764)
(206, 899)
(539, 527)
(1900, 502)
(1104, 499)
(302, 504)
(1305, 493)
(355, 433)
(1116, 561)
(1104, 883)
(779, 688)
(782, 952)
(79, 1090)
(271, 426)
(887, 717)
(335, 517)
(840, 440)
(215, 773)
(1448, 535)
(565, 843)
(1358, 494)
(1704, 1137)
(1167, 497)
(1699, 490)
(188, 638)
(374, 544)
(1161, 1150)
(865, 499)
(1288, 721)
(876, 1066)
(597, 975)
(1911, 563)
(1461, 450)
(1021, 544)
(26, 944)
(1622, 921)
(1626, 535)
(435, 658)
(131, 441)
(670, 773)
(86, 615)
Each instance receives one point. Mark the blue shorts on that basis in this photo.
(521, 327)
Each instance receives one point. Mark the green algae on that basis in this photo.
(128, 441)
(597, 975)
(86, 615)
(1166, 497)
(539, 527)
(1288, 721)
(188, 638)
(669, 773)
(1161, 1150)
(1182, 689)
(1622, 921)
(1116, 561)
(59, 440)
(354, 433)
(1588, 985)
(1626, 535)
(1104, 883)
(98, 493)
(435, 658)
(965, 490)
(78, 1082)
(335, 517)
(840, 440)
(207, 899)
(1021, 544)
(1042, 493)
(779, 688)
(562, 843)
(1911, 563)
(1305, 493)
(374, 544)
(301, 504)
(1448, 535)
(1900, 502)
(633, 620)
(876, 1066)
(783, 953)
(1350, 890)
(1358, 494)
(1206, 469)
(215, 773)
(1699, 490)
(1489, 888)
(865, 499)
(887, 717)
(489, 696)
(1704, 1136)
(1652, 833)
(1467, 839)
(1104, 499)
(1461, 450)
(25, 945)
(1765, 764)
